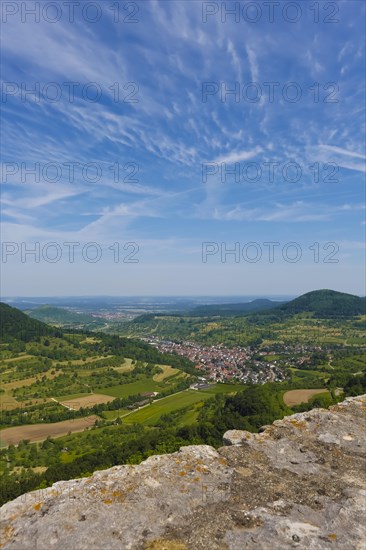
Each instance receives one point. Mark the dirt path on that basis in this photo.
(62, 404)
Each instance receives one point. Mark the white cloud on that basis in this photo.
(237, 156)
(341, 151)
(235, 60)
(253, 63)
(298, 211)
(342, 157)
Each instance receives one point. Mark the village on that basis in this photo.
(221, 364)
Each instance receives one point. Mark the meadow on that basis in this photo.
(150, 415)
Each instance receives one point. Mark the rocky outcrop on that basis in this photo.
(298, 484)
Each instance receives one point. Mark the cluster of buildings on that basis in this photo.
(114, 315)
(222, 364)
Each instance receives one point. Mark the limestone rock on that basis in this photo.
(298, 484)
(236, 437)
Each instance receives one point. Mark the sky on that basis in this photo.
(173, 148)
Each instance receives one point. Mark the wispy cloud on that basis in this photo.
(170, 131)
(235, 60)
(253, 63)
(41, 198)
(238, 156)
(296, 212)
(341, 151)
(342, 157)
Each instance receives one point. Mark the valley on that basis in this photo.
(77, 400)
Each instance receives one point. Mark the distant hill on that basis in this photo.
(229, 310)
(61, 316)
(320, 303)
(326, 303)
(16, 324)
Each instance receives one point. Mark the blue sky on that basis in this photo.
(175, 145)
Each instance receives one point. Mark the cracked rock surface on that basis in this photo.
(300, 483)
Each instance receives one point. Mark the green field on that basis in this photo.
(301, 375)
(190, 416)
(150, 414)
(112, 415)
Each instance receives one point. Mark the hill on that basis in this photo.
(326, 303)
(18, 325)
(61, 316)
(229, 310)
(318, 312)
(320, 303)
